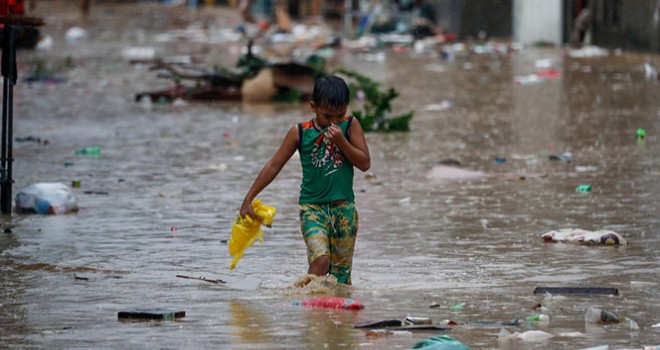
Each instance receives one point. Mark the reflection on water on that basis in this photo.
(175, 177)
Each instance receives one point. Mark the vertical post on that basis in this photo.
(348, 18)
(9, 80)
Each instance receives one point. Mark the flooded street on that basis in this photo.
(160, 199)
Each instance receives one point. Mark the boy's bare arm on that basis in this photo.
(356, 151)
(270, 170)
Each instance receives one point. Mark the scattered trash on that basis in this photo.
(104, 193)
(379, 324)
(442, 106)
(460, 306)
(549, 73)
(650, 72)
(246, 230)
(543, 63)
(151, 314)
(588, 51)
(529, 336)
(642, 284)
(78, 278)
(138, 53)
(596, 315)
(410, 324)
(538, 77)
(93, 151)
(564, 157)
(541, 318)
(330, 303)
(442, 342)
(527, 79)
(581, 291)
(46, 43)
(46, 198)
(75, 184)
(32, 139)
(214, 281)
(641, 134)
(411, 320)
(511, 323)
(606, 237)
(583, 188)
(422, 328)
(388, 332)
(584, 169)
(500, 160)
(75, 34)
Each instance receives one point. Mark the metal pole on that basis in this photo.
(348, 18)
(6, 154)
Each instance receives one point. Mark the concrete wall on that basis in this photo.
(537, 21)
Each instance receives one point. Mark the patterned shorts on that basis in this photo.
(330, 230)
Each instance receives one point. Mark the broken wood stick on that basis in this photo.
(202, 279)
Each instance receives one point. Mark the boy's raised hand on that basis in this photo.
(334, 134)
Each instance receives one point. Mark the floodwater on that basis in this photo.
(170, 179)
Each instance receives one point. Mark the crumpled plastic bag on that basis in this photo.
(578, 235)
(246, 230)
(46, 198)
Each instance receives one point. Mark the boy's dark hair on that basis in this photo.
(331, 92)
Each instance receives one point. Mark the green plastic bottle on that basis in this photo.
(583, 188)
(95, 151)
(442, 342)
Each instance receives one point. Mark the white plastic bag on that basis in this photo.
(46, 198)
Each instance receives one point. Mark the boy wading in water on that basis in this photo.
(330, 145)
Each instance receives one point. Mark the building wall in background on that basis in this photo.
(536, 21)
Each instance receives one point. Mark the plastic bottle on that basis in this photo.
(583, 188)
(331, 303)
(442, 342)
(596, 315)
(89, 150)
(540, 318)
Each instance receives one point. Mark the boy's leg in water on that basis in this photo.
(330, 231)
(314, 225)
(344, 218)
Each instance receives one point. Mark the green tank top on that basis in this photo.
(327, 174)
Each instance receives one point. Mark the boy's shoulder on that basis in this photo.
(309, 124)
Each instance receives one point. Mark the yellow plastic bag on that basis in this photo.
(246, 230)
